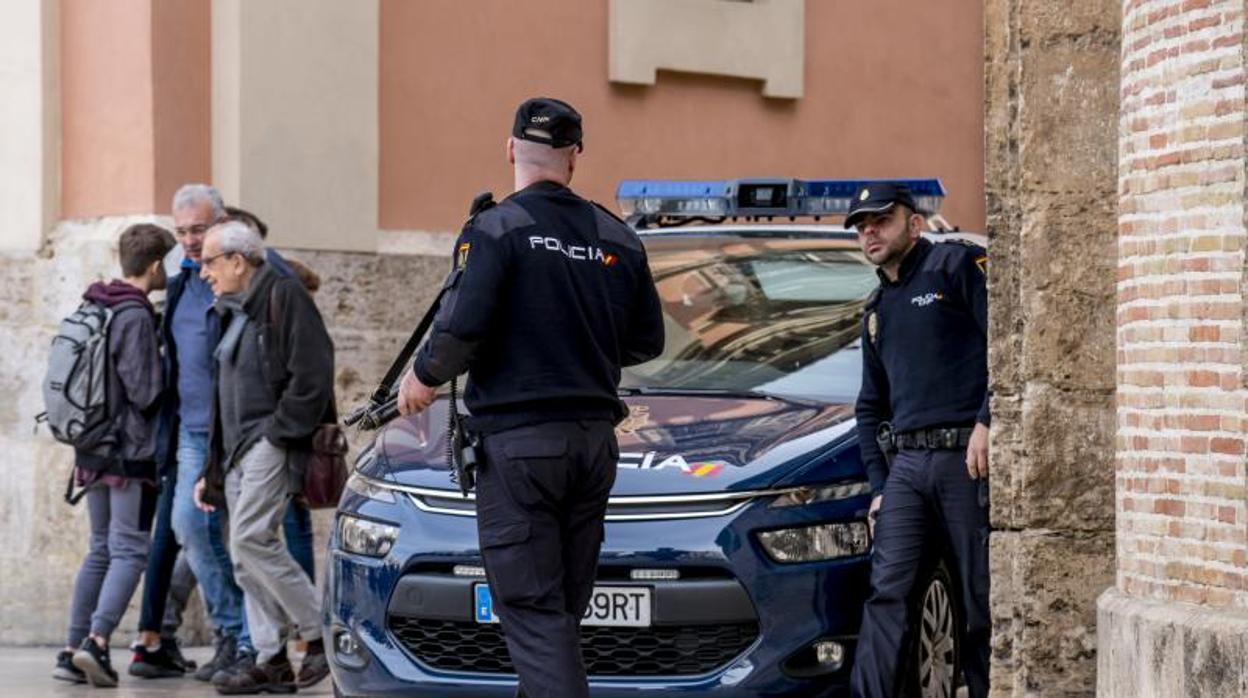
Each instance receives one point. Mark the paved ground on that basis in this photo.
(26, 672)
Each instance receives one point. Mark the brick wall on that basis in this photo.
(1180, 465)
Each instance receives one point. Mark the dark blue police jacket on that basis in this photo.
(925, 348)
(548, 297)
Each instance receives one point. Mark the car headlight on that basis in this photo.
(801, 496)
(364, 537)
(362, 485)
(812, 543)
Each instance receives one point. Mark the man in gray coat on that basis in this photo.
(273, 388)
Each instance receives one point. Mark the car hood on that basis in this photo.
(668, 444)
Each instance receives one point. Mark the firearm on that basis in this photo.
(373, 416)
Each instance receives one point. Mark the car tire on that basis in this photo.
(936, 643)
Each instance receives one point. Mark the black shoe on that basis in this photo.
(160, 663)
(226, 649)
(243, 661)
(274, 676)
(93, 660)
(174, 647)
(65, 669)
(315, 665)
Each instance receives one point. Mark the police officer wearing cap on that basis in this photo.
(549, 296)
(925, 372)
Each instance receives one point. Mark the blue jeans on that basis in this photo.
(201, 536)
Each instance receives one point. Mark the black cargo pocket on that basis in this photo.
(534, 468)
(507, 556)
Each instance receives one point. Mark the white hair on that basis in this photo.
(189, 195)
(239, 238)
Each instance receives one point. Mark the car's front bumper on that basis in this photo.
(726, 580)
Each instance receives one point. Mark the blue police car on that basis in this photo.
(736, 554)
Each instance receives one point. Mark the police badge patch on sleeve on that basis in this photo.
(873, 326)
(461, 255)
(982, 262)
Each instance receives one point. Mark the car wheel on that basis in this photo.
(937, 642)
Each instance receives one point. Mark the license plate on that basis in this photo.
(626, 607)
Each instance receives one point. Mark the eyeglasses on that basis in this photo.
(207, 261)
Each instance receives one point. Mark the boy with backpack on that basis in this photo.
(106, 404)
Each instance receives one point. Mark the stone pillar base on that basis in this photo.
(1154, 648)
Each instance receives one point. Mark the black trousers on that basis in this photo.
(541, 498)
(929, 500)
(160, 563)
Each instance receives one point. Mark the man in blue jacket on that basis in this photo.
(190, 332)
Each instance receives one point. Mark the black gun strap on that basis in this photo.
(382, 393)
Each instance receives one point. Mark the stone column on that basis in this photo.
(1176, 622)
(1051, 107)
(29, 122)
(130, 73)
(294, 117)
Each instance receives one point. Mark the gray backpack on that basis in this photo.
(76, 387)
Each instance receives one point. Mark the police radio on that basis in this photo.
(461, 446)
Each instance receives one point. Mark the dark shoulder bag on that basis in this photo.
(324, 463)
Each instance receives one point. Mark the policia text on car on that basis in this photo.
(924, 348)
(549, 296)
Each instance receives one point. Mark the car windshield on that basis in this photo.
(758, 314)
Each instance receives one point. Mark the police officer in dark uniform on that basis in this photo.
(925, 371)
(550, 295)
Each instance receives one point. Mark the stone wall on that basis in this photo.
(370, 303)
(1176, 622)
(1051, 105)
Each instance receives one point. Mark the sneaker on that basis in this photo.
(226, 649)
(159, 663)
(93, 661)
(243, 661)
(65, 669)
(274, 676)
(315, 665)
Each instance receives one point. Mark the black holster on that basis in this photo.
(886, 439)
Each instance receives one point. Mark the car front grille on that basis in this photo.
(682, 650)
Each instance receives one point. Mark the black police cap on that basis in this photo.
(549, 121)
(879, 197)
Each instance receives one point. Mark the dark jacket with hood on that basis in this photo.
(296, 363)
(135, 385)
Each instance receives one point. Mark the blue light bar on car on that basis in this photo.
(659, 199)
(680, 198)
(830, 197)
